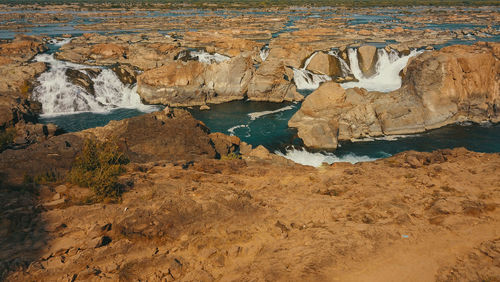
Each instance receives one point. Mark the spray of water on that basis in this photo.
(304, 157)
(208, 58)
(388, 67)
(59, 96)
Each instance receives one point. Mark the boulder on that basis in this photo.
(107, 51)
(228, 81)
(81, 79)
(457, 83)
(193, 83)
(175, 84)
(23, 48)
(126, 73)
(323, 63)
(273, 80)
(367, 58)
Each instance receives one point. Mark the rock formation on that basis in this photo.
(169, 135)
(195, 83)
(367, 57)
(323, 63)
(457, 83)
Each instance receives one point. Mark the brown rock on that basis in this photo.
(322, 63)
(367, 56)
(107, 51)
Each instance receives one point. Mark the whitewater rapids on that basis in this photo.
(58, 96)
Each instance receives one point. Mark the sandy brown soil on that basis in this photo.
(411, 217)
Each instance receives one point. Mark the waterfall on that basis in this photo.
(346, 70)
(59, 96)
(386, 77)
(307, 80)
(264, 53)
(208, 58)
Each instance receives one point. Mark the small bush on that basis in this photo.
(231, 156)
(98, 166)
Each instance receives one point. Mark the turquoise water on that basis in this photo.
(271, 130)
(80, 121)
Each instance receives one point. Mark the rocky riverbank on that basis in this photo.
(455, 84)
(160, 197)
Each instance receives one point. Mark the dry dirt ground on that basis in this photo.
(411, 217)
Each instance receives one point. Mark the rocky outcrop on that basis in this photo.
(169, 135)
(18, 123)
(256, 219)
(22, 49)
(323, 63)
(18, 78)
(367, 57)
(194, 83)
(172, 135)
(457, 83)
(104, 51)
(126, 73)
(81, 79)
(272, 81)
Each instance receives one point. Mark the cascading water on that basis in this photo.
(264, 53)
(388, 67)
(208, 58)
(304, 157)
(59, 96)
(306, 80)
(346, 70)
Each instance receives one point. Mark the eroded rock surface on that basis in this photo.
(257, 219)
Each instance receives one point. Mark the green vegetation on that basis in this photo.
(231, 156)
(6, 137)
(98, 166)
(260, 3)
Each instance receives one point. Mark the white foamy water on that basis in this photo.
(60, 42)
(232, 129)
(59, 96)
(388, 67)
(264, 53)
(306, 80)
(208, 58)
(256, 115)
(301, 156)
(346, 70)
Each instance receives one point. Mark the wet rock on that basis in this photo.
(126, 73)
(81, 79)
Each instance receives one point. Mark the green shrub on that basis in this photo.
(98, 166)
(231, 156)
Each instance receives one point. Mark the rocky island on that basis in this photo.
(243, 142)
